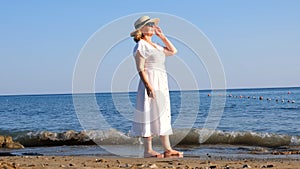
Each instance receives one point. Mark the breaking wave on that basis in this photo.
(190, 137)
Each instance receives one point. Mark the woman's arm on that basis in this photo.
(140, 65)
(169, 47)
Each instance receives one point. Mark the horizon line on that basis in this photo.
(106, 92)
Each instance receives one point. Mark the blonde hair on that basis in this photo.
(138, 35)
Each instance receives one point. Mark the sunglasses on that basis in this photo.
(150, 24)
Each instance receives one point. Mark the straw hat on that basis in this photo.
(142, 21)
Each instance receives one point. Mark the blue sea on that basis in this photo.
(247, 123)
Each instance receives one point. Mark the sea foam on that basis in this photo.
(180, 136)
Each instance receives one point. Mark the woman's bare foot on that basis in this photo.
(173, 153)
(153, 154)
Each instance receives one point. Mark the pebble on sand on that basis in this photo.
(246, 166)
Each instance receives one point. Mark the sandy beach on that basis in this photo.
(86, 162)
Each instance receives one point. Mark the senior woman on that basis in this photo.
(153, 113)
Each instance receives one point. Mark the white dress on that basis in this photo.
(152, 115)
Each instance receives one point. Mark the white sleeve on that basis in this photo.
(141, 47)
(139, 61)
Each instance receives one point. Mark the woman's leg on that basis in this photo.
(148, 151)
(169, 152)
(148, 144)
(165, 141)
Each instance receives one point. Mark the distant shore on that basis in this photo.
(86, 162)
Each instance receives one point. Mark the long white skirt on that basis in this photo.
(153, 115)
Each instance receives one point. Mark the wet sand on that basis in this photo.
(86, 162)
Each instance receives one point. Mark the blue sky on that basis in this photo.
(257, 41)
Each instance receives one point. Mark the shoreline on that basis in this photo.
(51, 162)
(220, 151)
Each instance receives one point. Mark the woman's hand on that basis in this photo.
(169, 47)
(150, 92)
(158, 32)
